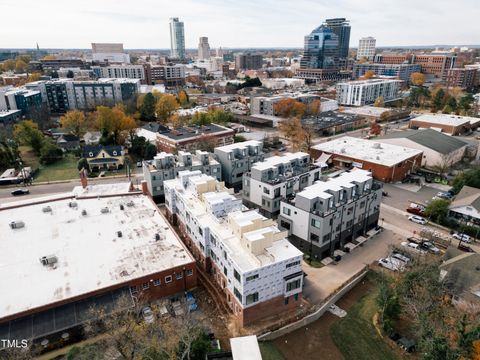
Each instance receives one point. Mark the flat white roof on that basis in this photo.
(366, 110)
(367, 150)
(240, 145)
(90, 254)
(369, 82)
(345, 180)
(245, 348)
(277, 160)
(446, 119)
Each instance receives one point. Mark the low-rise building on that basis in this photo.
(399, 71)
(9, 117)
(448, 124)
(237, 159)
(329, 214)
(275, 178)
(84, 249)
(170, 75)
(257, 271)
(364, 92)
(334, 122)
(265, 105)
(466, 205)
(68, 142)
(440, 151)
(388, 163)
(101, 157)
(166, 166)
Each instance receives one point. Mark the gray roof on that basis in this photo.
(463, 272)
(429, 138)
(468, 196)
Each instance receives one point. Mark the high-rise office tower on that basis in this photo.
(366, 48)
(341, 27)
(203, 48)
(177, 39)
(321, 49)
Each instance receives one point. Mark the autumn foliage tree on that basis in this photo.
(27, 133)
(74, 122)
(183, 99)
(375, 129)
(166, 105)
(114, 124)
(369, 74)
(298, 134)
(379, 102)
(289, 108)
(417, 79)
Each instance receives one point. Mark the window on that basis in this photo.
(362, 204)
(266, 190)
(315, 223)
(168, 279)
(295, 284)
(252, 298)
(284, 224)
(349, 223)
(225, 271)
(289, 265)
(224, 254)
(179, 276)
(286, 211)
(189, 272)
(237, 294)
(236, 275)
(314, 237)
(327, 237)
(145, 286)
(156, 282)
(252, 277)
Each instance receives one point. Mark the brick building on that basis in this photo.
(448, 124)
(461, 77)
(435, 64)
(82, 249)
(387, 163)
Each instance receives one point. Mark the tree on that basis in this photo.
(465, 103)
(447, 109)
(54, 74)
(150, 151)
(417, 79)
(239, 138)
(445, 163)
(147, 107)
(8, 153)
(114, 124)
(165, 106)
(33, 77)
(50, 153)
(26, 132)
(438, 100)
(74, 122)
(470, 178)
(375, 129)
(83, 164)
(369, 74)
(389, 305)
(299, 135)
(201, 118)
(384, 116)
(289, 108)
(418, 95)
(183, 99)
(70, 74)
(379, 102)
(219, 116)
(9, 65)
(313, 108)
(437, 210)
(20, 66)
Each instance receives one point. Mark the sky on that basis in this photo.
(233, 23)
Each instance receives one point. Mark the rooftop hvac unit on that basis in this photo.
(157, 237)
(377, 146)
(48, 260)
(104, 210)
(84, 212)
(119, 234)
(17, 224)
(47, 209)
(130, 203)
(72, 204)
(121, 207)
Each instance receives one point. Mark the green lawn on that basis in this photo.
(65, 169)
(269, 351)
(355, 335)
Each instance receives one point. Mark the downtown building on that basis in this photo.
(109, 53)
(81, 250)
(66, 94)
(256, 270)
(169, 75)
(203, 48)
(165, 166)
(248, 61)
(125, 71)
(275, 178)
(399, 71)
(237, 159)
(366, 48)
(463, 78)
(365, 92)
(330, 215)
(177, 39)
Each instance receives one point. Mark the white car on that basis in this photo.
(417, 219)
(462, 237)
(392, 264)
(414, 247)
(401, 257)
(147, 314)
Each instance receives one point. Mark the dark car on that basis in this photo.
(18, 192)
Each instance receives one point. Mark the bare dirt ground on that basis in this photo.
(314, 341)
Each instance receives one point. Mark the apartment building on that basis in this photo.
(275, 178)
(399, 71)
(366, 48)
(248, 61)
(436, 65)
(364, 92)
(170, 75)
(330, 214)
(257, 271)
(165, 166)
(265, 105)
(120, 72)
(392, 58)
(462, 77)
(25, 100)
(237, 159)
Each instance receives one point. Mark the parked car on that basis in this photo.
(147, 314)
(462, 237)
(414, 247)
(18, 192)
(391, 264)
(401, 257)
(428, 246)
(417, 219)
(139, 164)
(465, 248)
(444, 195)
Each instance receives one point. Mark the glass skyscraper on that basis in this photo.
(177, 39)
(321, 49)
(341, 28)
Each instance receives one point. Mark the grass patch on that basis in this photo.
(314, 263)
(64, 169)
(28, 157)
(355, 335)
(269, 351)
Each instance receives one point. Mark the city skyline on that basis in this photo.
(267, 24)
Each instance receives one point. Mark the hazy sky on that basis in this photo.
(233, 23)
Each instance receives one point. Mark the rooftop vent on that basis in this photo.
(105, 210)
(48, 260)
(130, 204)
(72, 204)
(121, 207)
(47, 209)
(119, 234)
(377, 146)
(157, 236)
(342, 150)
(84, 212)
(17, 224)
